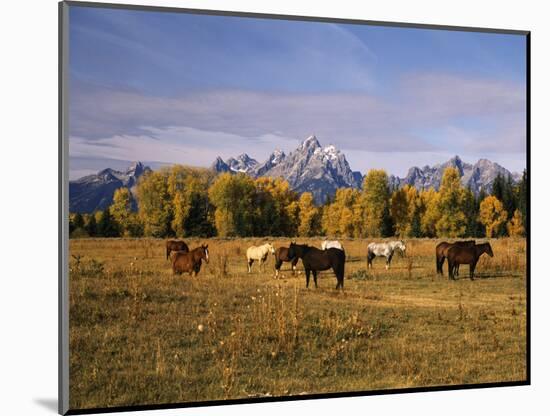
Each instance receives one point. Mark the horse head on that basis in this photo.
(402, 246)
(204, 252)
(487, 249)
(270, 246)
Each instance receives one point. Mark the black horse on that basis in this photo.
(466, 255)
(315, 260)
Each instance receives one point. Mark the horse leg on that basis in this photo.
(294, 263)
(315, 277)
(472, 269)
(439, 264)
(339, 272)
(307, 277)
(451, 266)
(369, 260)
(456, 269)
(388, 261)
(249, 262)
(278, 264)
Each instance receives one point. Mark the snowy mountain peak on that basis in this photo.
(243, 163)
(310, 143)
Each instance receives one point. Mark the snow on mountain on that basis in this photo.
(477, 177)
(95, 192)
(311, 167)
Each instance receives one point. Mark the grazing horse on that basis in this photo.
(441, 252)
(190, 262)
(316, 260)
(258, 253)
(331, 244)
(175, 245)
(466, 255)
(281, 255)
(384, 250)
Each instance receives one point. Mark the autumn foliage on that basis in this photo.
(182, 202)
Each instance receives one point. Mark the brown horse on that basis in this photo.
(190, 262)
(315, 260)
(441, 252)
(281, 255)
(466, 255)
(175, 245)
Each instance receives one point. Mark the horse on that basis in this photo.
(441, 252)
(466, 255)
(259, 253)
(175, 245)
(190, 262)
(384, 249)
(281, 255)
(315, 260)
(331, 244)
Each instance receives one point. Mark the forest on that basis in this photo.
(180, 201)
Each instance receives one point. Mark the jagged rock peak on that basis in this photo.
(310, 143)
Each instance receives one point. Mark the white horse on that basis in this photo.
(326, 244)
(384, 249)
(258, 253)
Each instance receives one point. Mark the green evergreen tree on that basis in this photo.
(91, 226)
(107, 226)
(78, 221)
(387, 226)
(522, 198)
(416, 224)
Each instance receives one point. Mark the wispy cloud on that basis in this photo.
(179, 88)
(446, 105)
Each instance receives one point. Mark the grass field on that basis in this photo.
(139, 335)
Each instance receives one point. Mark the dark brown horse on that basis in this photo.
(189, 262)
(441, 252)
(316, 260)
(175, 245)
(466, 255)
(281, 255)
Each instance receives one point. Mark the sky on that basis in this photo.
(166, 88)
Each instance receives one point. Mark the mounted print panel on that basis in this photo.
(264, 208)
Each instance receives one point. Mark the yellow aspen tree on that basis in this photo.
(492, 215)
(308, 215)
(399, 209)
(515, 225)
(452, 220)
(375, 198)
(430, 201)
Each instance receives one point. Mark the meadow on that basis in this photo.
(140, 335)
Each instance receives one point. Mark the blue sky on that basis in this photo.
(177, 88)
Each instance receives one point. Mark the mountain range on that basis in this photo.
(477, 177)
(95, 192)
(309, 168)
(322, 170)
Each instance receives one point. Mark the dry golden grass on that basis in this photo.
(139, 335)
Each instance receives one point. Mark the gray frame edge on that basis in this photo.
(63, 226)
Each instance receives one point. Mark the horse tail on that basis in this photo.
(167, 252)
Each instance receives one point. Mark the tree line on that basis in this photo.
(181, 202)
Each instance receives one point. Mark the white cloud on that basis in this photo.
(177, 144)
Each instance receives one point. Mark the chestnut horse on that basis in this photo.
(175, 245)
(281, 255)
(466, 255)
(189, 262)
(441, 252)
(316, 260)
